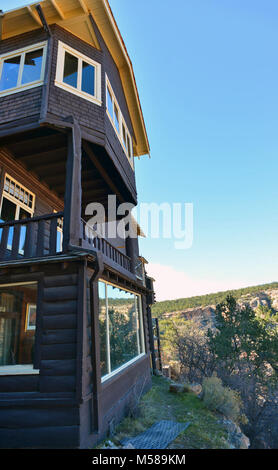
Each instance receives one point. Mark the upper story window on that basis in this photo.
(22, 69)
(78, 74)
(118, 122)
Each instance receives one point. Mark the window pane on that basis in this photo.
(70, 70)
(141, 343)
(123, 327)
(23, 215)
(17, 324)
(59, 244)
(129, 147)
(124, 135)
(88, 78)
(104, 351)
(9, 74)
(32, 66)
(109, 103)
(116, 118)
(8, 210)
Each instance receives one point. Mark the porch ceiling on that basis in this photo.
(43, 153)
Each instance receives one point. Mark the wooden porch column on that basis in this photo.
(73, 190)
(131, 251)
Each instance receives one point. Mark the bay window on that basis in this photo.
(22, 69)
(121, 328)
(116, 117)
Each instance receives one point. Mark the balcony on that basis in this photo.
(42, 237)
(67, 172)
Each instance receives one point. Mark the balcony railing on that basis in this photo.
(31, 238)
(92, 241)
(42, 236)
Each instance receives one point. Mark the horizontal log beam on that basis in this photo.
(102, 171)
(56, 322)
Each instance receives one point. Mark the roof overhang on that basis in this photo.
(73, 15)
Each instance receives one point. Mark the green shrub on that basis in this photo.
(216, 397)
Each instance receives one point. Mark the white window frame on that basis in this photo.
(62, 49)
(19, 205)
(121, 122)
(22, 52)
(18, 369)
(141, 326)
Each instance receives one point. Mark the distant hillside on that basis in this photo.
(168, 306)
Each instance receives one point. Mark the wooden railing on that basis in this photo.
(42, 236)
(31, 238)
(90, 240)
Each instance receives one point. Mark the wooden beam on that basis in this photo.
(38, 159)
(1, 24)
(58, 9)
(83, 6)
(35, 146)
(73, 190)
(93, 184)
(50, 168)
(102, 171)
(34, 15)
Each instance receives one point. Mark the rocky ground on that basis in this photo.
(168, 400)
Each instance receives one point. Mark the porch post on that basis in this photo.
(131, 251)
(73, 190)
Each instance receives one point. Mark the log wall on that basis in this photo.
(42, 410)
(64, 406)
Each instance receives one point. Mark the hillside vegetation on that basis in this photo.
(206, 430)
(210, 299)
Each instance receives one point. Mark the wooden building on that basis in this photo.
(75, 308)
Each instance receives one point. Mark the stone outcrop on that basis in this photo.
(236, 439)
(205, 316)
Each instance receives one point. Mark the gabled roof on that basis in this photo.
(73, 15)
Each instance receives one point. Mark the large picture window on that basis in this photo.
(78, 74)
(121, 328)
(22, 69)
(18, 304)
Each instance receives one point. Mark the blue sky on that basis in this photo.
(207, 74)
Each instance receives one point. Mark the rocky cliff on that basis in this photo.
(205, 315)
